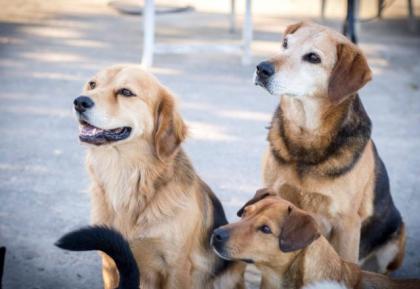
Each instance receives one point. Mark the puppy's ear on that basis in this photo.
(350, 73)
(293, 28)
(170, 130)
(259, 195)
(298, 231)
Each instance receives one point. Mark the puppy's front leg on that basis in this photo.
(346, 237)
(109, 272)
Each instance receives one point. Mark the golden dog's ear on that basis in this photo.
(350, 73)
(298, 231)
(170, 130)
(293, 28)
(259, 195)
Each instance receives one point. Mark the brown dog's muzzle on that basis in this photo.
(265, 70)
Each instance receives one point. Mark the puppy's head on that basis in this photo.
(125, 103)
(314, 61)
(270, 231)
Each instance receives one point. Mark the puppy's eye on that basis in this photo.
(265, 229)
(126, 92)
(284, 44)
(92, 84)
(312, 58)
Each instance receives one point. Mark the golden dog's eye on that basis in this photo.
(265, 229)
(126, 92)
(284, 44)
(92, 84)
(312, 57)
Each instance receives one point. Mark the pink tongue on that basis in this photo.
(89, 130)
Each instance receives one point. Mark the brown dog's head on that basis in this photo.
(314, 61)
(124, 103)
(268, 232)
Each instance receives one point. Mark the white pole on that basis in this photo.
(323, 7)
(247, 34)
(232, 27)
(148, 33)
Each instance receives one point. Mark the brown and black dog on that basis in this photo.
(320, 142)
(285, 244)
(144, 185)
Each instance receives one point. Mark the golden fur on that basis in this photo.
(145, 186)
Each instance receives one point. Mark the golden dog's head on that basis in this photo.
(269, 231)
(124, 103)
(314, 61)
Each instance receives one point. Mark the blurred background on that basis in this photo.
(50, 48)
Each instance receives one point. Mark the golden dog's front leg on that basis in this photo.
(109, 272)
(345, 237)
(180, 277)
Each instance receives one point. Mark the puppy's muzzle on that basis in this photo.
(218, 240)
(264, 71)
(83, 103)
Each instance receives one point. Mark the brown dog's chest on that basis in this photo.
(332, 197)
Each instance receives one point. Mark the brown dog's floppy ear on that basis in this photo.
(350, 73)
(293, 28)
(170, 130)
(259, 195)
(298, 231)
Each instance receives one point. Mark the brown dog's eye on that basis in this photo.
(92, 84)
(265, 229)
(126, 92)
(312, 58)
(284, 44)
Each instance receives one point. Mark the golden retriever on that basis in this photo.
(144, 185)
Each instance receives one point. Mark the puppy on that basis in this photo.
(286, 246)
(111, 243)
(320, 142)
(144, 185)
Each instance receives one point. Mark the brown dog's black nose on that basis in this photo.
(265, 69)
(82, 103)
(220, 236)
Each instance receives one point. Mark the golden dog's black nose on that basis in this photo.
(265, 69)
(82, 103)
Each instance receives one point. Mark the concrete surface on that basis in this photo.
(48, 49)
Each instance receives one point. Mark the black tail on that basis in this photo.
(110, 242)
(2, 261)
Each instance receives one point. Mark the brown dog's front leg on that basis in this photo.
(346, 237)
(109, 272)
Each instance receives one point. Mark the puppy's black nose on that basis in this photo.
(265, 69)
(82, 103)
(220, 235)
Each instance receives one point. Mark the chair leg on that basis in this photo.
(232, 26)
(349, 27)
(380, 8)
(247, 34)
(148, 33)
(412, 25)
(323, 6)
